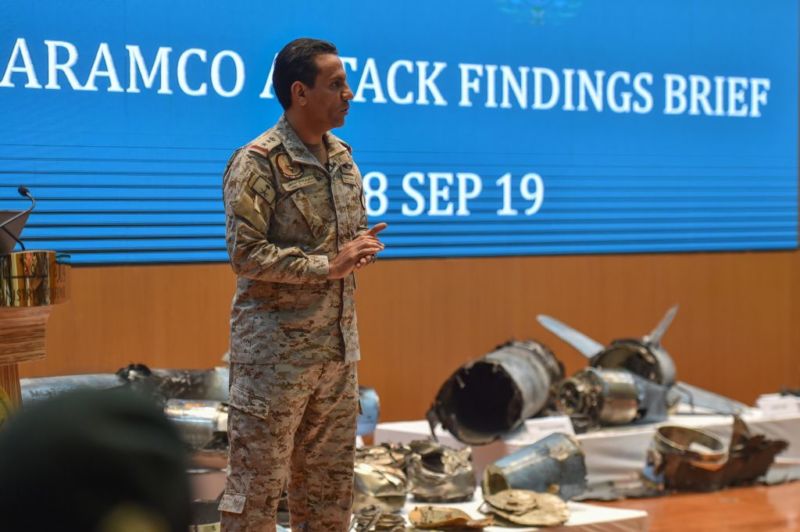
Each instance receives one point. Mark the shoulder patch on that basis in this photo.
(261, 150)
(265, 143)
(261, 186)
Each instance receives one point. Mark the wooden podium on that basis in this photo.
(30, 282)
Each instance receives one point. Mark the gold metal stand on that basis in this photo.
(30, 282)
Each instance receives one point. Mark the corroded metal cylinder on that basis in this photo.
(606, 397)
(646, 359)
(554, 464)
(41, 388)
(602, 397)
(200, 422)
(192, 386)
(493, 395)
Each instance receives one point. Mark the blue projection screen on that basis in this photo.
(485, 128)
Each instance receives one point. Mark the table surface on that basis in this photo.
(756, 508)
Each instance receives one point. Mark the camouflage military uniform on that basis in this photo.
(294, 343)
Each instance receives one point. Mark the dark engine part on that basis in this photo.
(645, 359)
(602, 397)
(493, 395)
(554, 464)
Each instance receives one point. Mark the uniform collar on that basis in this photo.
(298, 151)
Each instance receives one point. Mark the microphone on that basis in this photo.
(25, 193)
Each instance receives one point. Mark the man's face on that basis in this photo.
(328, 101)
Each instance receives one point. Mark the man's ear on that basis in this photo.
(298, 93)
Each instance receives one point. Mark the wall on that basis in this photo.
(736, 331)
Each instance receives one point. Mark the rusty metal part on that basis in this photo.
(750, 455)
(440, 517)
(385, 454)
(680, 458)
(495, 394)
(555, 464)
(698, 447)
(602, 397)
(437, 473)
(523, 507)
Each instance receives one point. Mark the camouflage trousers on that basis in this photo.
(296, 422)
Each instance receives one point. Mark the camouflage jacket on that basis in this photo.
(286, 217)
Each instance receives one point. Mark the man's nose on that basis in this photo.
(347, 94)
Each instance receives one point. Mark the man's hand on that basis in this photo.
(356, 253)
(377, 228)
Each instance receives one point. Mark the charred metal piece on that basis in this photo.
(644, 357)
(381, 486)
(203, 424)
(380, 479)
(437, 473)
(373, 518)
(387, 454)
(442, 518)
(41, 388)
(602, 397)
(168, 384)
(750, 455)
(527, 508)
(681, 458)
(555, 464)
(495, 394)
(641, 357)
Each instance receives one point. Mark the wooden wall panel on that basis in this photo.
(736, 330)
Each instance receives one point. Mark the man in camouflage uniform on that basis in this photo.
(296, 230)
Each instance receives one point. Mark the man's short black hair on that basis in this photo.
(295, 62)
